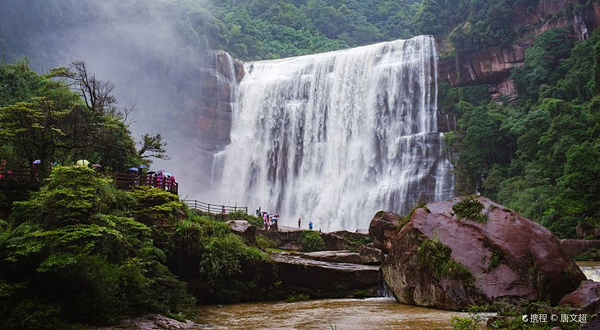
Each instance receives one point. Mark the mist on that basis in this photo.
(147, 49)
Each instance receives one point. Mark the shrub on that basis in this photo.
(224, 256)
(265, 243)
(312, 241)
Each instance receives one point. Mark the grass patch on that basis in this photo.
(435, 258)
(264, 243)
(176, 316)
(494, 260)
(421, 202)
(470, 209)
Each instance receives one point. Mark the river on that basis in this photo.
(337, 314)
(372, 313)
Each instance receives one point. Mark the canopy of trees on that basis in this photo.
(263, 29)
(541, 154)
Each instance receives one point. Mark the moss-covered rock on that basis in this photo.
(446, 260)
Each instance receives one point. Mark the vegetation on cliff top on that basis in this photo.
(260, 29)
(539, 155)
(81, 251)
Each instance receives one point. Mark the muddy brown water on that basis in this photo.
(338, 314)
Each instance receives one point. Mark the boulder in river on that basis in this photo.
(472, 251)
(383, 229)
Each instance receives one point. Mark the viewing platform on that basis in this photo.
(19, 179)
(214, 208)
(129, 181)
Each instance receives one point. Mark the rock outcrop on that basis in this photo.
(153, 322)
(586, 230)
(575, 247)
(492, 65)
(586, 298)
(370, 255)
(383, 229)
(364, 256)
(440, 259)
(326, 279)
(244, 229)
(290, 238)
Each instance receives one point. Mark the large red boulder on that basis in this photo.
(383, 229)
(471, 251)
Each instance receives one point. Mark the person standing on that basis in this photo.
(310, 225)
(299, 222)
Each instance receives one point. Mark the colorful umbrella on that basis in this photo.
(133, 169)
(37, 161)
(82, 162)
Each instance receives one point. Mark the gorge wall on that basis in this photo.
(493, 65)
(335, 137)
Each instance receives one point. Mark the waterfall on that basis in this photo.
(335, 137)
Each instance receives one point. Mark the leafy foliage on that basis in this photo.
(44, 119)
(470, 209)
(539, 155)
(73, 247)
(312, 241)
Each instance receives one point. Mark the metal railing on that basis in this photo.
(214, 208)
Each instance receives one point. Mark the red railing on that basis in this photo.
(132, 180)
(26, 179)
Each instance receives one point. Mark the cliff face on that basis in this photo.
(206, 117)
(492, 65)
(201, 126)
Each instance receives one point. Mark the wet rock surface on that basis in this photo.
(575, 247)
(365, 256)
(383, 229)
(585, 298)
(323, 277)
(154, 322)
(505, 256)
(290, 238)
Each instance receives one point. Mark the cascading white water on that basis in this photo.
(335, 137)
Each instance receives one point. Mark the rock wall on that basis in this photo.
(493, 65)
(206, 117)
(575, 247)
(202, 125)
